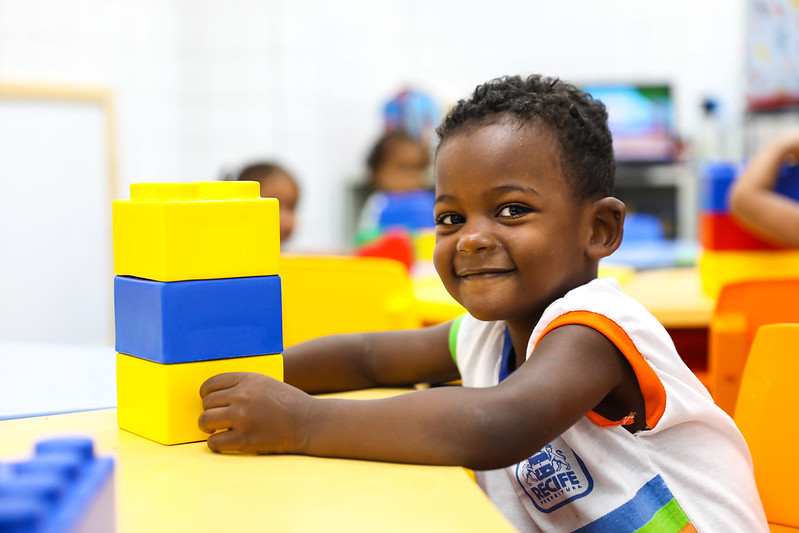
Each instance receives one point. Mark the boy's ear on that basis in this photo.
(607, 227)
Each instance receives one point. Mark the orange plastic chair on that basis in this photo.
(741, 308)
(325, 295)
(767, 416)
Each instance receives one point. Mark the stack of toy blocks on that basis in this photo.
(196, 293)
(730, 251)
(63, 488)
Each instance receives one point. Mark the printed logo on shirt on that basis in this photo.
(553, 477)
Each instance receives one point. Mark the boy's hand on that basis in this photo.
(252, 413)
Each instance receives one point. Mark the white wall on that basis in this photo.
(204, 85)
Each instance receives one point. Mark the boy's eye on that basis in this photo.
(448, 219)
(513, 211)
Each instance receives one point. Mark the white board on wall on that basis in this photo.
(56, 276)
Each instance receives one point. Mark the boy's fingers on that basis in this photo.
(213, 420)
(218, 398)
(219, 382)
(224, 441)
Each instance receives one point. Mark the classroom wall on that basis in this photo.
(203, 85)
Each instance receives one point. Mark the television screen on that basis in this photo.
(640, 119)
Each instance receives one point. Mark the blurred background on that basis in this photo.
(98, 94)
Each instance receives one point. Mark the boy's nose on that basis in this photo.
(475, 241)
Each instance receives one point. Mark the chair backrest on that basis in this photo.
(767, 416)
(741, 309)
(325, 295)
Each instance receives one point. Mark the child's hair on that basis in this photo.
(379, 152)
(579, 122)
(261, 171)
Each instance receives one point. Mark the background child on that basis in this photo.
(753, 200)
(398, 166)
(276, 182)
(576, 410)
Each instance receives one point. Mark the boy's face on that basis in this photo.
(510, 235)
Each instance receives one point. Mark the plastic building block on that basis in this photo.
(162, 402)
(715, 183)
(719, 231)
(717, 179)
(63, 488)
(198, 230)
(718, 268)
(788, 181)
(187, 321)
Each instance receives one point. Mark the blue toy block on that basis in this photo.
(717, 179)
(715, 183)
(788, 181)
(199, 320)
(63, 488)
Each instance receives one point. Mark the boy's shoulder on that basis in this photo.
(604, 296)
(604, 306)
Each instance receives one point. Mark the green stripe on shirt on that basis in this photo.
(669, 518)
(453, 337)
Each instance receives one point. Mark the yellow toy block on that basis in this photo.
(162, 402)
(718, 268)
(197, 230)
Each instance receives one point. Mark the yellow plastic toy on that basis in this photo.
(162, 402)
(718, 268)
(334, 294)
(196, 230)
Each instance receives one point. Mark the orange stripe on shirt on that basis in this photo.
(651, 388)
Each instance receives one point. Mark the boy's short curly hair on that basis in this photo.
(579, 123)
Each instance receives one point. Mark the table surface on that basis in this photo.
(673, 295)
(189, 488)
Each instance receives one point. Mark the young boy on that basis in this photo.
(576, 412)
(397, 166)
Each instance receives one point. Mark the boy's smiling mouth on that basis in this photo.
(483, 273)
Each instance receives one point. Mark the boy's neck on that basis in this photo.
(521, 331)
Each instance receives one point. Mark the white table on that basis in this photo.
(40, 379)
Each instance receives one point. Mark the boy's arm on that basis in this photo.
(753, 200)
(573, 369)
(374, 359)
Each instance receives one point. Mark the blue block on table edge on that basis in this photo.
(63, 488)
(198, 320)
